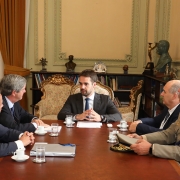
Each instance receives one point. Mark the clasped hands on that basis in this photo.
(89, 115)
(142, 146)
(27, 138)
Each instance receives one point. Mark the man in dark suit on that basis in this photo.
(7, 136)
(89, 105)
(169, 114)
(13, 115)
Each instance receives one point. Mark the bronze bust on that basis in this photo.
(165, 58)
(70, 66)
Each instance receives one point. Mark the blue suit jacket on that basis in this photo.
(151, 125)
(22, 121)
(103, 105)
(7, 136)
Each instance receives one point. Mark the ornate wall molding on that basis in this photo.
(59, 58)
(35, 31)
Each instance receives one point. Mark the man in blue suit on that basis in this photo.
(11, 140)
(89, 105)
(13, 115)
(168, 116)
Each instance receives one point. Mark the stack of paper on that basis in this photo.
(88, 124)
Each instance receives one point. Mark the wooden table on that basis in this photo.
(93, 161)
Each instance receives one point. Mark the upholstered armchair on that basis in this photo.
(99, 88)
(130, 113)
(56, 89)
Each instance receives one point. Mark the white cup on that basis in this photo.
(69, 120)
(40, 129)
(54, 129)
(40, 154)
(19, 153)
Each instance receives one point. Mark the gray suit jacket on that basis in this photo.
(102, 105)
(163, 141)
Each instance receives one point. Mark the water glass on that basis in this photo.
(40, 154)
(54, 129)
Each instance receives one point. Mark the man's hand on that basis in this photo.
(134, 136)
(27, 138)
(82, 116)
(141, 147)
(39, 122)
(133, 126)
(93, 116)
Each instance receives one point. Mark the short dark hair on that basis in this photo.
(89, 73)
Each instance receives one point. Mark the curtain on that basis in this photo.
(12, 38)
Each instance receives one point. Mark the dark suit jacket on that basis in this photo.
(153, 124)
(102, 105)
(7, 136)
(22, 118)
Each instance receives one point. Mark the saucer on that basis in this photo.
(20, 160)
(111, 141)
(66, 123)
(40, 133)
(123, 129)
(120, 125)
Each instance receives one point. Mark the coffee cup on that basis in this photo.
(19, 153)
(68, 120)
(40, 129)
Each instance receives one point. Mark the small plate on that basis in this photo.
(120, 125)
(110, 141)
(72, 122)
(123, 129)
(121, 148)
(40, 133)
(20, 160)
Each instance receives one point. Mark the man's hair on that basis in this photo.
(10, 83)
(175, 87)
(89, 73)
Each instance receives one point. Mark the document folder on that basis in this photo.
(55, 150)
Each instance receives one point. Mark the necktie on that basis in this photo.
(165, 120)
(12, 111)
(87, 104)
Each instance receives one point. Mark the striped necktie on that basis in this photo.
(165, 120)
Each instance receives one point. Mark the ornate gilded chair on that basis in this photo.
(56, 89)
(130, 113)
(99, 88)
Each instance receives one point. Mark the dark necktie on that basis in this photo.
(12, 111)
(87, 104)
(165, 120)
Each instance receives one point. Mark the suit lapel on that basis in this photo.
(97, 102)
(79, 103)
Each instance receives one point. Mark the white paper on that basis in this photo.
(48, 129)
(88, 124)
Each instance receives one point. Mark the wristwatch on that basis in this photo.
(150, 149)
(103, 118)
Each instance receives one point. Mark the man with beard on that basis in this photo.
(89, 105)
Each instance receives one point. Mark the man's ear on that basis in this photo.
(13, 93)
(94, 84)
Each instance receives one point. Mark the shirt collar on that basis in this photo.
(10, 104)
(173, 109)
(90, 97)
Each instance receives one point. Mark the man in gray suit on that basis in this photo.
(89, 105)
(160, 143)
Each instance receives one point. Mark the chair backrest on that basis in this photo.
(135, 96)
(56, 89)
(99, 88)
